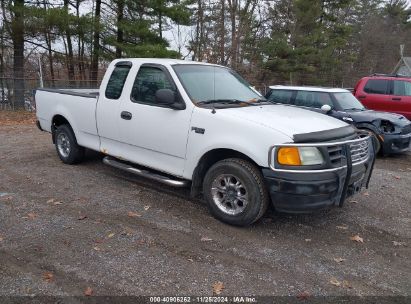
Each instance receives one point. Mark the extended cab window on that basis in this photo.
(116, 82)
(148, 81)
(280, 96)
(402, 88)
(376, 86)
(312, 99)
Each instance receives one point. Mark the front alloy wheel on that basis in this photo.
(229, 194)
(235, 191)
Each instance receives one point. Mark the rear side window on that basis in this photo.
(376, 86)
(116, 82)
(312, 99)
(280, 96)
(402, 88)
(146, 84)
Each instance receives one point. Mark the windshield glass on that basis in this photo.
(347, 101)
(203, 82)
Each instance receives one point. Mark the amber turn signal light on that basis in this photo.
(289, 156)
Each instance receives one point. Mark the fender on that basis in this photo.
(370, 126)
(207, 160)
(66, 117)
(260, 160)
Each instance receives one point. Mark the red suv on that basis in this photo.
(385, 93)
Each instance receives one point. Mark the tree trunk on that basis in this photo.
(70, 56)
(17, 27)
(96, 44)
(233, 9)
(160, 25)
(47, 37)
(51, 61)
(2, 79)
(120, 33)
(82, 59)
(200, 40)
(197, 32)
(80, 38)
(222, 34)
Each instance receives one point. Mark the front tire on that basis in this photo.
(66, 145)
(377, 142)
(235, 192)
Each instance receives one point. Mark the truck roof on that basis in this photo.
(309, 88)
(169, 61)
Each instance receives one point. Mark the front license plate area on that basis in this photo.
(355, 187)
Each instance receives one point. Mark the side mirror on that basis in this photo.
(167, 97)
(326, 108)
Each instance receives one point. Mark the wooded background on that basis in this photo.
(311, 42)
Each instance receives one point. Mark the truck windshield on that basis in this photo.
(347, 101)
(207, 84)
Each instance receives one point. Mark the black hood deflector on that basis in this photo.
(327, 135)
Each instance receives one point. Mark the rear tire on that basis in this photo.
(66, 145)
(235, 192)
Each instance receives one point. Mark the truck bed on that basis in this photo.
(77, 106)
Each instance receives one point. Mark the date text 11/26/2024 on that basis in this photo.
(203, 299)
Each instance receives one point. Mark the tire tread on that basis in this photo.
(257, 176)
(77, 152)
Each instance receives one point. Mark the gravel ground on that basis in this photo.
(64, 229)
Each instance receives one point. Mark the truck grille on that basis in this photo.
(336, 156)
(359, 153)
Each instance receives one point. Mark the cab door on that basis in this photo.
(108, 107)
(152, 134)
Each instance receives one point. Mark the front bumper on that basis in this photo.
(302, 192)
(396, 143)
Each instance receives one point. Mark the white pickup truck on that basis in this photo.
(194, 124)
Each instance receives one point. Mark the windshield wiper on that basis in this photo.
(260, 100)
(226, 101)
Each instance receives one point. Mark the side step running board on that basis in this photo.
(144, 173)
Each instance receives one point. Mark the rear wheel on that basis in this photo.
(235, 192)
(66, 145)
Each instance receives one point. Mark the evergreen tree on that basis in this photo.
(139, 27)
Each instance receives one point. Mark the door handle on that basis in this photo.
(396, 98)
(126, 115)
(362, 96)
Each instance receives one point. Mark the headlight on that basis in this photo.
(299, 156)
(387, 126)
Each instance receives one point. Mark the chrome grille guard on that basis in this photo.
(358, 151)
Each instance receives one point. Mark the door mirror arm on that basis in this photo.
(178, 105)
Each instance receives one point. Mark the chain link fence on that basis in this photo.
(18, 92)
(8, 90)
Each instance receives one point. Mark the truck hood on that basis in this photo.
(285, 119)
